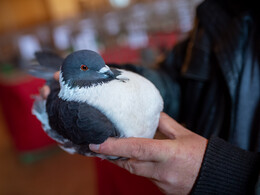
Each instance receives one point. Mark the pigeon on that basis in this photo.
(92, 102)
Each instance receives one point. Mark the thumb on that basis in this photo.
(171, 128)
(57, 75)
(143, 149)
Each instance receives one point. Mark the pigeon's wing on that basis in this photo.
(78, 122)
(39, 110)
(90, 126)
(72, 125)
(94, 125)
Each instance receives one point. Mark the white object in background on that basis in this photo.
(140, 12)
(28, 45)
(184, 15)
(137, 36)
(119, 3)
(61, 36)
(137, 39)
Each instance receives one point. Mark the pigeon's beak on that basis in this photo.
(106, 70)
(110, 74)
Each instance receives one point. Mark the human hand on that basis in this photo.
(172, 164)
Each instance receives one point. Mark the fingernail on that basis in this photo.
(94, 147)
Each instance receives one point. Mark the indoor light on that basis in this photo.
(119, 3)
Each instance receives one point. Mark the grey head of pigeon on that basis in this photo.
(85, 68)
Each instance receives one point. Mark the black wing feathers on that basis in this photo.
(94, 124)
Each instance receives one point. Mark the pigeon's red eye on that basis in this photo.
(84, 67)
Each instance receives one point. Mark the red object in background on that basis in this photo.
(165, 40)
(113, 180)
(125, 54)
(16, 102)
(121, 55)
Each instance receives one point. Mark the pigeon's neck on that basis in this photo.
(77, 91)
(67, 92)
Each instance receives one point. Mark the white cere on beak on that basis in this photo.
(104, 69)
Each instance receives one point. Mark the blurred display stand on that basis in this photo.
(30, 141)
(87, 24)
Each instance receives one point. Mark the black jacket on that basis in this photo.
(202, 87)
(208, 73)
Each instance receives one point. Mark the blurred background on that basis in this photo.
(122, 31)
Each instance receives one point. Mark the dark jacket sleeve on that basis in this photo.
(227, 170)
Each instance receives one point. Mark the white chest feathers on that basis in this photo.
(133, 106)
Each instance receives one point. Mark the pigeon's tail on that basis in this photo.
(39, 71)
(48, 64)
